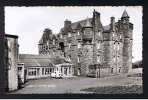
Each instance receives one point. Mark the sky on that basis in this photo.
(29, 23)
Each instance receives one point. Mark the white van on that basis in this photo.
(56, 74)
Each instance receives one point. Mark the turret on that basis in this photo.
(87, 31)
(125, 17)
(67, 26)
(126, 30)
(96, 21)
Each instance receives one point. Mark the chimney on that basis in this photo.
(112, 23)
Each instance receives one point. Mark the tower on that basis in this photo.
(127, 31)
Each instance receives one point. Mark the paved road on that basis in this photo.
(74, 85)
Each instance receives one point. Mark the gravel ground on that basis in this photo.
(76, 84)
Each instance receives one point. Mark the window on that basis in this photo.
(61, 36)
(65, 71)
(118, 46)
(120, 36)
(53, 42)
(112, 70)
(47, 71)
(98, 59)
(114, 59)
(78, 59)
(69, 34)
(78, 33)
(69, 45)
(69, 58)
(113, 34)
(19, 68)
(42, 71)
(32, 71)
(99, 34)
(98, 45)
(79, 45)
(38, 69)
(47, 43)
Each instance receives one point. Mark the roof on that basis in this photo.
(35, 60)
(40, 60)
(9, 35)
(87, 23)
(125, 14)
(82, 23)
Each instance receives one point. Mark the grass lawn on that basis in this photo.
(134, 89)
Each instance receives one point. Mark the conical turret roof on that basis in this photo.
(125, 14)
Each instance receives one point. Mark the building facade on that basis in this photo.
(11, 60)
(42, 66)
(92, 47)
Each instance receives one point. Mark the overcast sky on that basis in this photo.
(29, 22)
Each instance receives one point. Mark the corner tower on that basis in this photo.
(127, 30)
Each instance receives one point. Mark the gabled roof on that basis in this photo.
(82, 23)
(87, 23)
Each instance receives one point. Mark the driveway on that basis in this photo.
(75, 84)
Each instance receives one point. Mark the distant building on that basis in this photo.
(40, 66)
(11, 55)
(92, 47)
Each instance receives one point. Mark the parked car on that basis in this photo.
(56, 74)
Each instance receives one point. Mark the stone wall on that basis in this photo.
(12, 43)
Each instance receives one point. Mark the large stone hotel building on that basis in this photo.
(94, 49)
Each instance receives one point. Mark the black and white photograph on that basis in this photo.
(73, 50)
